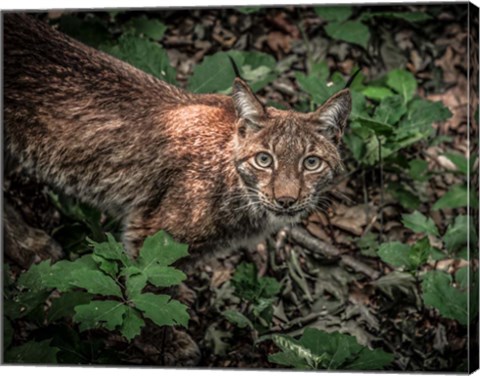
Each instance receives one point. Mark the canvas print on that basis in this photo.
(287, 187)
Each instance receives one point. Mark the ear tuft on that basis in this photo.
(246, 103)
(332, 116)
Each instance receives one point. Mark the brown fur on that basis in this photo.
(153, 154)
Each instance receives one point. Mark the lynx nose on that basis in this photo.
(286, 201)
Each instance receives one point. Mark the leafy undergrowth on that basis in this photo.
(100, 290)
(403, 208)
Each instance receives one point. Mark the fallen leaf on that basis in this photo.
(219, 277)
(352, 219)
(279, 43)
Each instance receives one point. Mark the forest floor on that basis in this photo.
(330, 295)
(332, 278)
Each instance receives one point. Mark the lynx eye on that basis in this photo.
(263, 159)
(312, 163)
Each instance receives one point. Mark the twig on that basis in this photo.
(382, 198)
(298, 322)
(302, 237)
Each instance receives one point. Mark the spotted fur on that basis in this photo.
(153, 154)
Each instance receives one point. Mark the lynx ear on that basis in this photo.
(246, 103)
(332, 116)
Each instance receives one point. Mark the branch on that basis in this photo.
(303, 237)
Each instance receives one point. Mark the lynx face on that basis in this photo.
(287, 159)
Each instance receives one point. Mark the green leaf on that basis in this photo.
(288, 358)
(461, 162)
(262, 311)
(321, 350)
(367, 244)
(316, 87)
(97, 314)
(403, 82)
(456, 236)
(237, 319)
(249, 286)
(349, 31)
(130, 270)
(422, 114)
(164, 276)
(461, 277)
(337, 13)
(320, 70)
(355, 144)
(160, 249)
(407, 16)
(65, 304)
(359, 105)
(110, 250)
(404, 195)
(436, 254)
(377, 126)
(338, 346)
(396, 254)
(371, 360)
(107, 266)
(92, 31)
(33, 278)
(418, 223)
(470, 279)
(162, 310)
(135, 284)
(132, 324)
(377, 92)
(60, 274)
(151, 28)
(248, 10)
(390, 110)
(418, 169)
(420, 251)
(25, 303)
(268, 287)
(456, 197)
(215, 74)
(439, 293)
(304, 358)
(95, 282)
(32, 353)
(371, 150)
(143, 54)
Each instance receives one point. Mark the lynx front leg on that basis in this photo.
(133, 238)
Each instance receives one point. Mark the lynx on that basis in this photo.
(211, 170)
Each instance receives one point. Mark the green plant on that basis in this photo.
(215, 73)
(318, 349)
(258, 292)
(451, 298)
(438, 288)
(340, 26)
(79, 222)
(100, 290)
(386, 116)
(137, 43)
